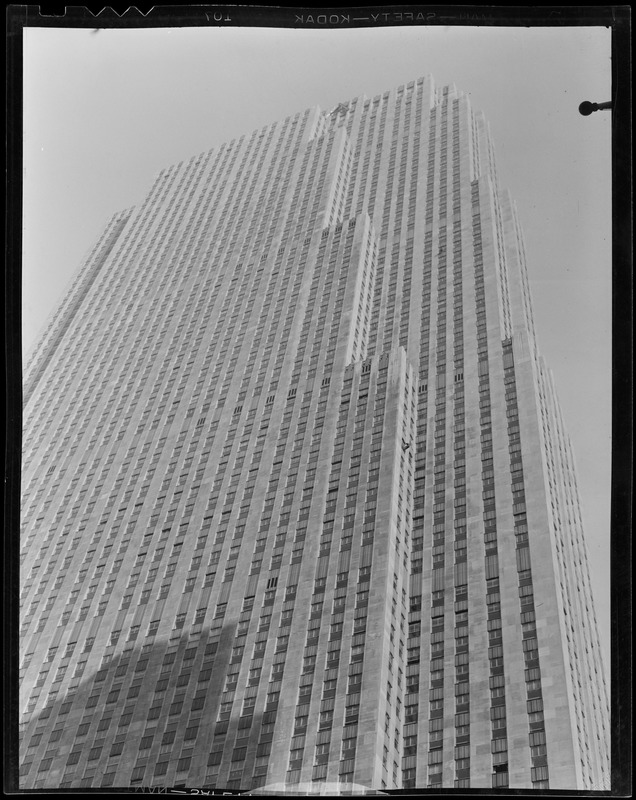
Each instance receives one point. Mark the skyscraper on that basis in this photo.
(298, 501)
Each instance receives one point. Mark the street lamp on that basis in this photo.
(586, 108)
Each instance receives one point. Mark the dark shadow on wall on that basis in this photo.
(103, 733)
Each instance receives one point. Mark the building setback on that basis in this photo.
(298, 503)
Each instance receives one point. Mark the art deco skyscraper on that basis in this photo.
(298, 501)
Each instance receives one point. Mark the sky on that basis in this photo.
(106, 110)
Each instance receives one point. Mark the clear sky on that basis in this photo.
(105, 110)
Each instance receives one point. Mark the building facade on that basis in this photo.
(298, 504)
